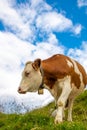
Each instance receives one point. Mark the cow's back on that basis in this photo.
(57, 65)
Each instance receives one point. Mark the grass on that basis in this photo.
(41, 119)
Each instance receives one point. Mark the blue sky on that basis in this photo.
(31, 29)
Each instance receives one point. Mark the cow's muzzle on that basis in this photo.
(21, 91)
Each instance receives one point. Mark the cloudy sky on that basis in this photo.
(32, 29)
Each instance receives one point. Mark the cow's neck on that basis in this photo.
(48, 79)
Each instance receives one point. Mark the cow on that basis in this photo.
(64, 77)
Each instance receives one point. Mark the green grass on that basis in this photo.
(41, 119)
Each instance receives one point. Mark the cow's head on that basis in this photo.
(31, 77)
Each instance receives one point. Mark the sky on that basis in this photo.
(31, 29)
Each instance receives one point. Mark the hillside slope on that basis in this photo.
(41, 119)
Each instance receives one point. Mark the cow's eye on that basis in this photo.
(27, 74)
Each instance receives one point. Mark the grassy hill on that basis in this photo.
(41, 119)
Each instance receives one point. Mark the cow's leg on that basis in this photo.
(70, 105)
(55, 103)
(63, 113)
(62, 100)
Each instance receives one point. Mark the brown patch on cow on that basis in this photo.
(49, 80)
(75, 78)
(56, 65)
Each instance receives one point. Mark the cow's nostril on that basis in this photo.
(19, 89)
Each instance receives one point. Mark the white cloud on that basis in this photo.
(14, 20)
(13, 53)
(49, 47)
(13, 50)
(80, 54)
(53, 21)
(82, 3)
(77, 29)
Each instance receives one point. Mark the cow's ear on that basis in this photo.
(36, 64)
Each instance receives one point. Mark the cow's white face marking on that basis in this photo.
(31, 79)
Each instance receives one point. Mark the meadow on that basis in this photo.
(41, 119)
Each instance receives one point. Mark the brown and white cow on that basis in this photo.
(64, 77)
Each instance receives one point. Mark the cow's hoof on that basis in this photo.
(58, 120)
(69, 119)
